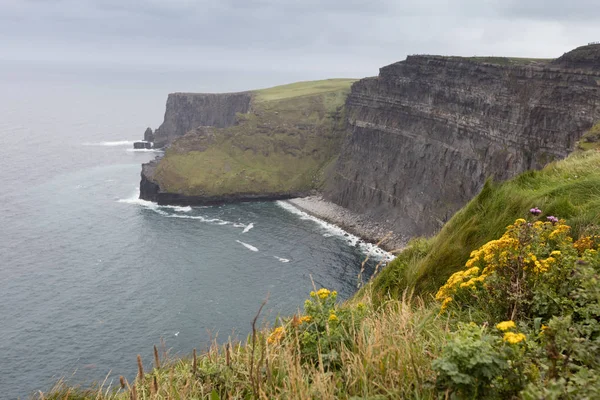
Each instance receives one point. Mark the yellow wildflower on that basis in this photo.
(506, 325)
(555, 253)
(276, 336)
(445, 303)
(333, 317)
(514, 338)
(323, 293)
(305, 318)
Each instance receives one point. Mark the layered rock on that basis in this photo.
(186, 111)
(426, 133)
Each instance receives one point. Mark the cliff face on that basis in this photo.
(426, 133)
(186, 111)
(267, 144)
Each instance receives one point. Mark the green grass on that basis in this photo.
(283, 145)
(567, 189)
(591, 139)
(507, 60)
(307, 88)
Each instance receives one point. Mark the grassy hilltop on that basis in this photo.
(282, 145)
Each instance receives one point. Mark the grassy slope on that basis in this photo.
(393, 348)
(282, 145)
(568, 189)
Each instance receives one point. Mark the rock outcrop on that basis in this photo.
(186, 111)
(267, 144)
(426, 133)
(149, 135)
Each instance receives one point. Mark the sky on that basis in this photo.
(328, 38)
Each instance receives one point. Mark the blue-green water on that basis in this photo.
(90, 276)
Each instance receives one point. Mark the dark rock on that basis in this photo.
(149, 135)
(142, 145)
(186, 111)
(426, 133)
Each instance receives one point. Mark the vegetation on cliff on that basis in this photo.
(516, 314)
(282, 145)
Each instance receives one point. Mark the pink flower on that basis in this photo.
(535, 211)
(552, 219)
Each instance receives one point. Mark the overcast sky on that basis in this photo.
(329, 37)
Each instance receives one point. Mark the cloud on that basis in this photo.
(330, 35)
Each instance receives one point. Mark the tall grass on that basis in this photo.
(568, 189)
(389, 358)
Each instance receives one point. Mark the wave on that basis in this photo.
(248, 246)
(114, 143)
(332, 230)
(247, 228)
(283, 260)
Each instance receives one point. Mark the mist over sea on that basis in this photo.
(89, 275)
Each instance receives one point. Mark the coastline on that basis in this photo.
(354, 223)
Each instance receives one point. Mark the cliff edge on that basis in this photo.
(261, 145)
(425, 134)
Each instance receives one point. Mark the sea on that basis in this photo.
(91, 276)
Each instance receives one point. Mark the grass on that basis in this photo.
(307, 88)
(283, 145)
(568, 189)
(390, 358)
(591, 139)
(391, 350)
(507, 60)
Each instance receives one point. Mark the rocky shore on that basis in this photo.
(351, 222)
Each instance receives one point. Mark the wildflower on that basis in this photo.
(333, 317)
(445, 303)
(513, 338)
(552, 219)
(506, 325)
(555, 253)
(276, 336)
(305, 318)
(312, 293)
(323, 293)
(535, 211)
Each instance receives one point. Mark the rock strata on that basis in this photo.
(186, 111)
(425, 134)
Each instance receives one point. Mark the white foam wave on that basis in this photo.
(248, 246)
(236, 225)
(332, 230)
(247, 228)
(283, 260)
(114, 143)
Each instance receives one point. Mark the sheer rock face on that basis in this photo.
(426, 133)
(186, 111)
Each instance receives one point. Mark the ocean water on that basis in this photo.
(90, 276)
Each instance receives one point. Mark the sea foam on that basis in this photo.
(113, 143)
(332, 230)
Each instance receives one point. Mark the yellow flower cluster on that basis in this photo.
(513, 338)
(586, 243)
(506, 325)
(276, 336)
(507, 251)
(305, 318)
(323, 293)
(333, 317)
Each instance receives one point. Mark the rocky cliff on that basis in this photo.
(425, 134)
(260, 145)
(186, 111)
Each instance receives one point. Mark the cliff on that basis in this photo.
(185, 111)
(266, 144)
(425, 134)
